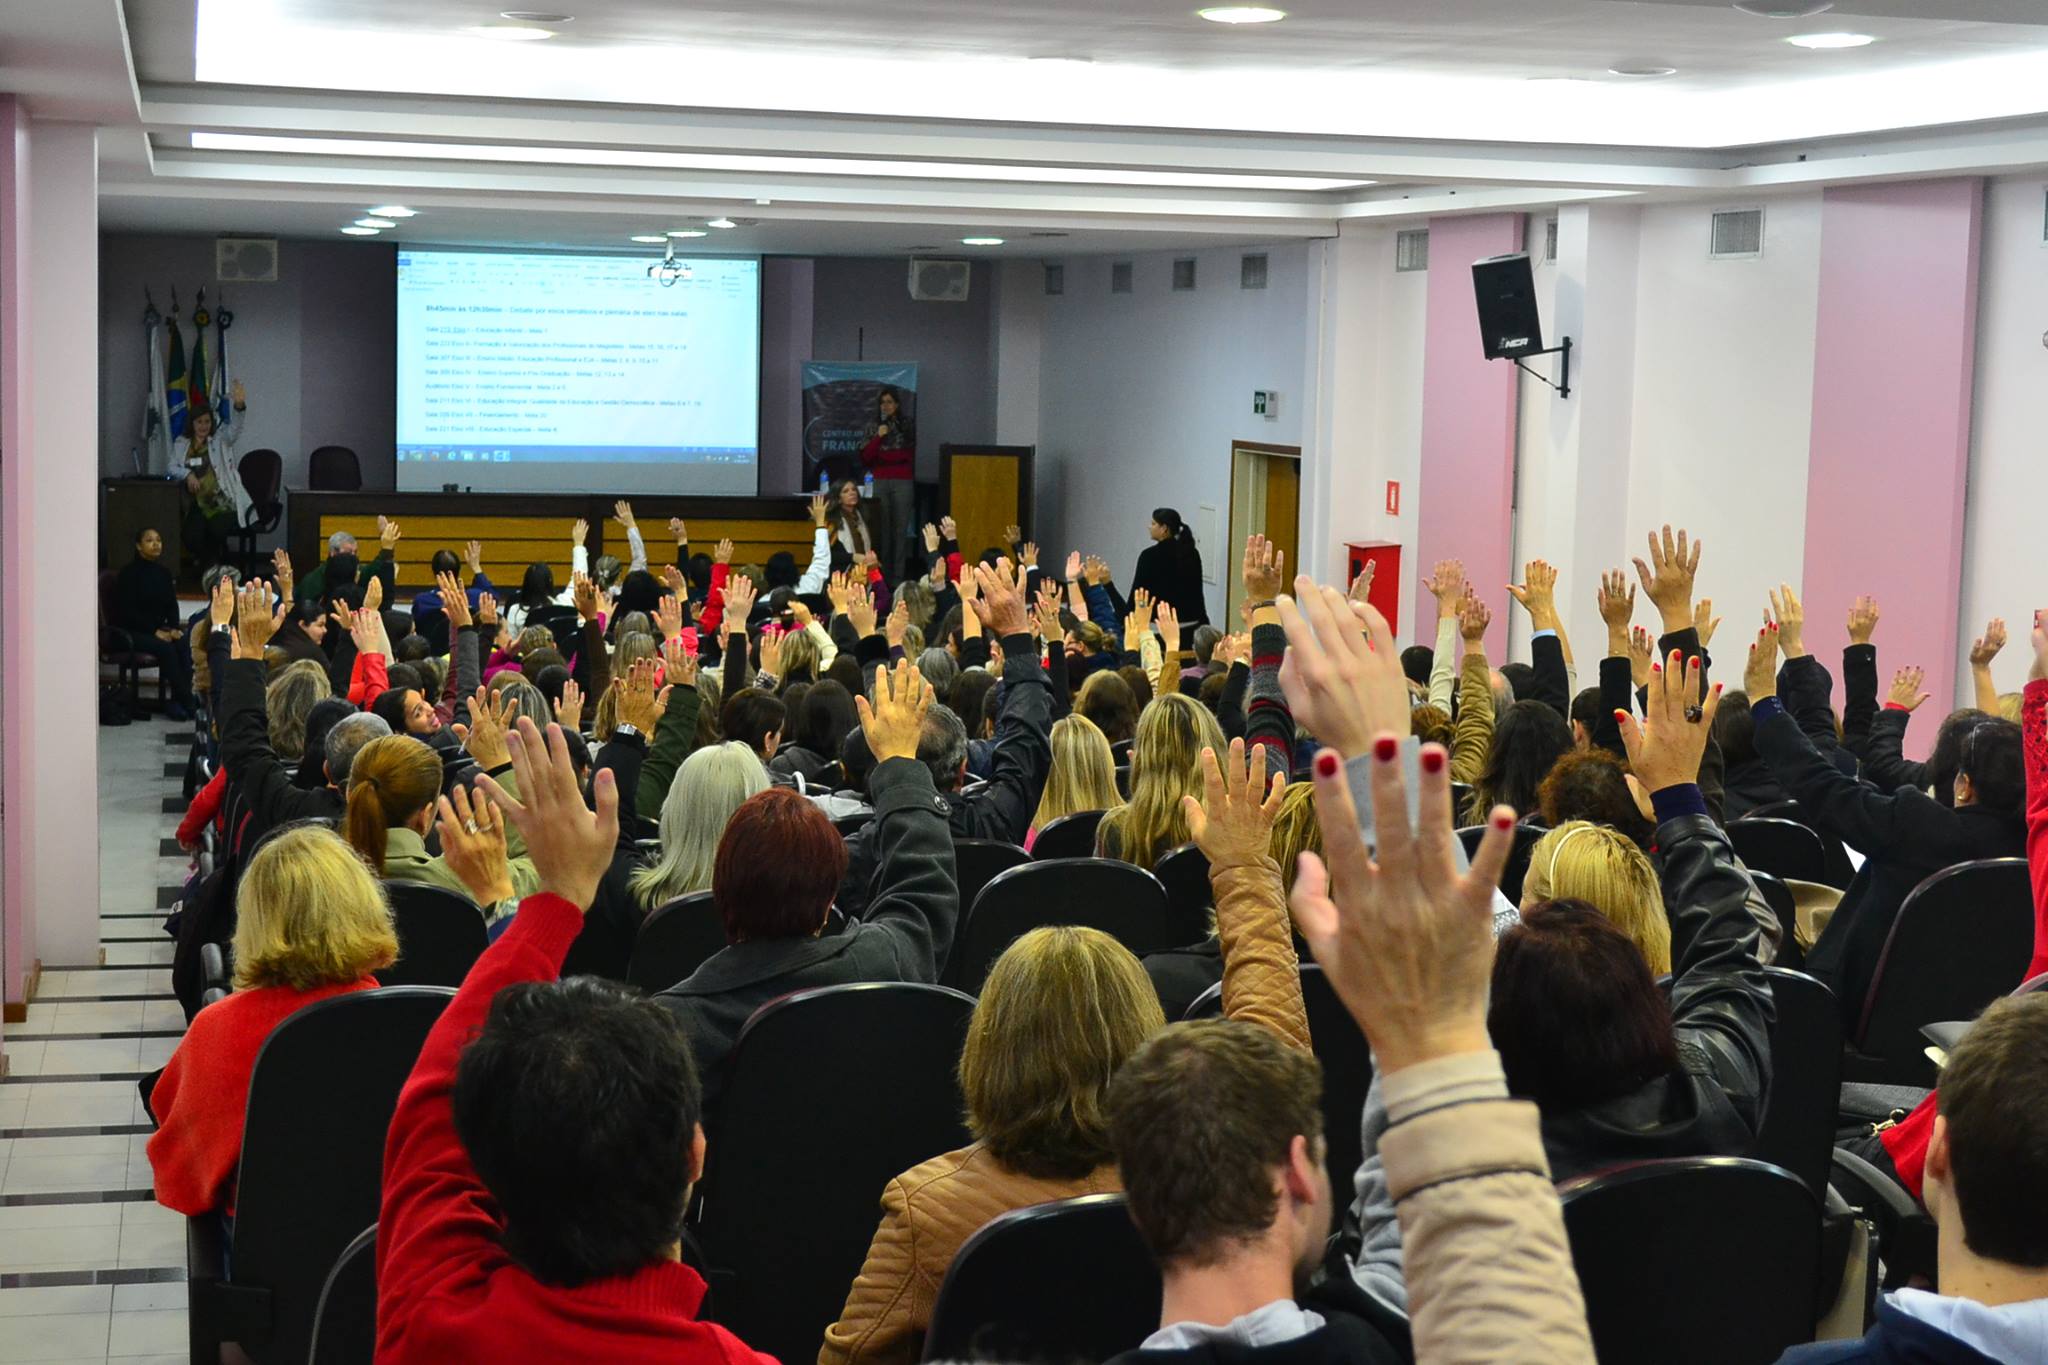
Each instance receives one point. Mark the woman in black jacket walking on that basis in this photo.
(145, 608)
(1170, 568)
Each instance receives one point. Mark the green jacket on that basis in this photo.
(674, 737)
(313, 587)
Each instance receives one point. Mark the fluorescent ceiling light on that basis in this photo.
(649, 239)
(1828, 42)
(510, 33)
(720, 222)
(1784, 9)
(378, 223)
(756, 165)
(393, 211)
(1242, 14)
(1641, 69)
(361, 231)
(981, 241)
(534, 16)
(686, 232)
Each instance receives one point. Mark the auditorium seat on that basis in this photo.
(119, 652)
(440, 935)
(1070, 836)
(1184, 872)
(675, 940)
(1121, 900)
(345, 1320)
(333, 469)
(1801, 1111)
(977, 862)
(1784, 848)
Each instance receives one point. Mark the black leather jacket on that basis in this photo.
(1721, 1011)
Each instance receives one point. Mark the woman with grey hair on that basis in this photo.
(707, 789)
(939, 669)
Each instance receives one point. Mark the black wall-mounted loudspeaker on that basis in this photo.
(1506, 290)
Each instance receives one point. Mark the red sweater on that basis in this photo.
(1906, 1141)
(368, 679)
(202, 1096)
(888, 462)
(204, 808)
(446, 1290)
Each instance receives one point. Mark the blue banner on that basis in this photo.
(843, 414)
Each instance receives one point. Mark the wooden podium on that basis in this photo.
(986, 489)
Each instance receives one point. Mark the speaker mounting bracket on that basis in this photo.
(1563, 384)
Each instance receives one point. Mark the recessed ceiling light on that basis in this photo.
(393, 211)
(687, 232)
(648, 239)
(534, 16)
(1829, 41)
(720, 223)
(379, 223)
(1242, 14)
(509, 33)
(361, 231)
(1643, 70)
(981, 241)
(1784, 9)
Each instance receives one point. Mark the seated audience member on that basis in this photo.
(1165, 767)
(1986, 1184)
(1748, 780)
(1107, 700)
(1905, 835)
(146, 608)
(1592, 785)
(710, 785)
(1062, 1010)
(823, 722)
(290, 696)
(1592, 865)
(302, 635)
(940, 669)
(779, 863)
(753, 718)
(311, 924)
(1082, 777)
(528, 1087)
(429, 614)
(1527, 743)
(343, 569)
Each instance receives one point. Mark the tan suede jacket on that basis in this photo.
(1472, 738)
(930, 1211)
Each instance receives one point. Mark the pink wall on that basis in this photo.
(1468, 421)
(17, 921)
(1894, 366)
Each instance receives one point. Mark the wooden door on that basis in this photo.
(1283, 509)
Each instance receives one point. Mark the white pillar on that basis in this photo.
(51, 642)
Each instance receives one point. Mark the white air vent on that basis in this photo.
(1411, 249)
(1550, 239)
(1738, 234)
(1120, 277)
(1251, 271)
(245, 260)
(1055, 278)
(938, 281)
(1184, 273)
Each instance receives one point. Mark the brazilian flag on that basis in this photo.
(177, 389)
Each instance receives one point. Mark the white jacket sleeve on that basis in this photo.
(1443, 669)
(820, 573)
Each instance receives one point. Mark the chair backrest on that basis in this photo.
(440, 935)
(345, 1321)
(1783, 848)
(830, 1094)
(1184, 872)
(1517, 870)
(677, 939)
(107, 579)
(334, 469)
(1963, 938)
(1083, 1255)
(1347, 1069)
(1786, 809)
(262, 474)
(1714, 1260)
(1070, 836)
(1122, 900)
(977, 862)
(320, 1099)
(1799, 1119)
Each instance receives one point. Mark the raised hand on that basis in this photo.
(486, 610)
(454, 601)
(579, 534)
(1474, 616)
(722, 552)
(1047, 610)
(672, 579)
(473, 556)
(367, 629)
(1988, 644)
(800, 613)
(1538, 594)
(1617, 603)
(2040, 641)
(931, 539)
(1361, 586)
(898, 625)
(739, 603)
(622, 512)
(1760, 670)
(680, 529)
(1862, 619)
(818, 511)
(1665, 749)
(221, 609)
(1028, 556)
(473, 845)
(679, 663)
(1169, 627)
(281, 566)
(1447, 584)
(999, 600)
(641, 701)
(1906, 688)
(1073, 565)
(1012, 534)
(584, 592)
(860, 611)
(490, 720)
(948, 528)
(1097, 569)
(1403, 938)
(569, 710)
(1233, 822)
(1790, 615)
(1263, 569)
(1344, 685)
(771, 652)
(894, 719)
(387, 533)
(1668, 577)
(257, 617)
(668, 617)
(1641, 651)
(571, 846)
(839, 590)
(373, 594)
(1704, 621)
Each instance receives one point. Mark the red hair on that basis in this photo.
(778, 866)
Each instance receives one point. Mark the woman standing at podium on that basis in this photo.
(891, 456)
(217, 505)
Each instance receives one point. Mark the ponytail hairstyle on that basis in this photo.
(391, 781)
(1185, 555)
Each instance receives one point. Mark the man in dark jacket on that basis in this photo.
(1905, 836)
(1987, 1187)
(343, 568)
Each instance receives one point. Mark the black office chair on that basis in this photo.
(118, 649)
(440, 935)
(1839, 871)
(782, 1240)
(674, 941)
(1906, 1235)
(1184, 872)
(345, 1319)
(1070, 836)
(1070, 1280)
(334, 469)
(1122, 751)
(977, 862)
(1783, 848)
(1696, 1260)
(1121, 900)
(320, 1100)
(1347, 1069)
(1802, 1109)
(1526, 836)
(262, 475)
(1963, 938)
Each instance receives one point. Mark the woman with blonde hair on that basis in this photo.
(289, 697)
(1165, 767)
(1082, 776)
(1583, 861)
(311, 923)
(709, 786)
(391, 790)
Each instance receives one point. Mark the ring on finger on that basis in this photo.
(1695, 713)
(471, 826)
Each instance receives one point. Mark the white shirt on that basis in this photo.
(1279, 1321)
(2013, 1331)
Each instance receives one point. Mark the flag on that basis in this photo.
(218, 383)
(177, 395)
(195, 378)
(226, 469)
(156, 419)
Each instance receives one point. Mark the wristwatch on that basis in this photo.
(626, 732)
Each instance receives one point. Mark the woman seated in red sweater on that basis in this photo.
(311, 923)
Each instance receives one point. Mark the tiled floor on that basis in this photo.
(91, 1268)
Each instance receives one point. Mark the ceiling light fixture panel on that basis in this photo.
(981, 241)
(1830, 42)
(1784, 9)
(393, 211)
(1242, 14)
(353, 231)
(1642, 70)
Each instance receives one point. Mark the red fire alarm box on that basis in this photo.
(1385, 557)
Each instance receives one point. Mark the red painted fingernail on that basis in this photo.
(1432, 760)
(1774, 625)
(1503, 821)
(1326, 764)
(1385, 747)
(1656, 668)
(1718, 687)
(1695, 662)
(1620, 715)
